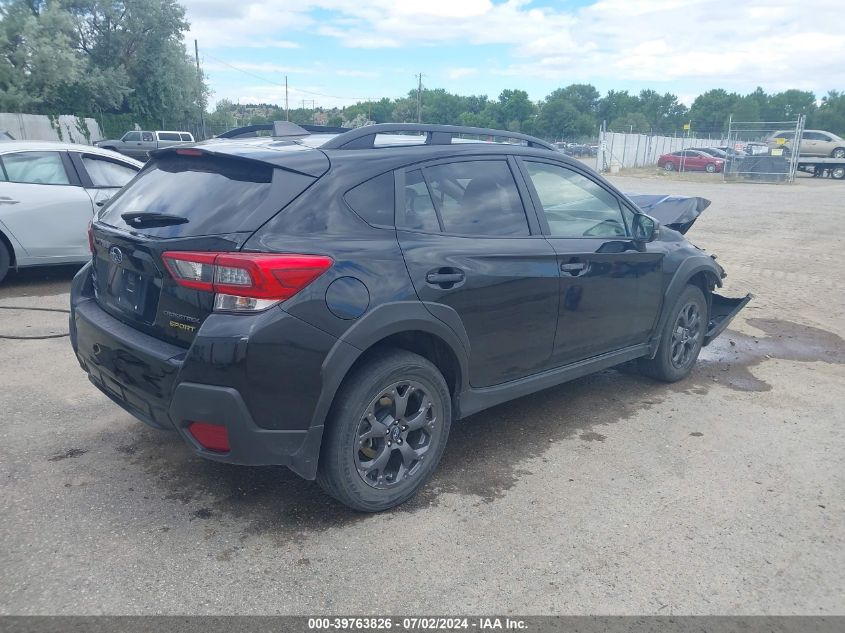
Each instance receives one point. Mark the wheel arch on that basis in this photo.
(13, 261)
(701, 272)
(405, 325)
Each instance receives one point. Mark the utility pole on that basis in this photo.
(199, 88)
(287, 109)
(419, 99)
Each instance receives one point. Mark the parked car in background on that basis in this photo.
(754, 148)
(813, 143)
(332, 303)
(714, 151)
(49, 193)
(732, 152)
(139, 143)
(690, 160)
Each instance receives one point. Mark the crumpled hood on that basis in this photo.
(676, 212)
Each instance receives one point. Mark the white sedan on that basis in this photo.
(49, 192)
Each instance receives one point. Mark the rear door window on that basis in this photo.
(477, 198)
(41, 168)
(216, 195)
(419, 213)
(107, 173)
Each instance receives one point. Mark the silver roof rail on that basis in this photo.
(364, 137)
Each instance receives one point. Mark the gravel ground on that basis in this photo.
(612, 494)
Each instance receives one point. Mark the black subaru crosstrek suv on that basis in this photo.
(333, 302)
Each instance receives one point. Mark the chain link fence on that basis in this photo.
(763, 151)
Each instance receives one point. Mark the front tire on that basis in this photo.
(681, 339)
(5, 261)
(711, 168)
(669, 167)
(386, 432)
(839, 152)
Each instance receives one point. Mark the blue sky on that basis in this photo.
(336, 52)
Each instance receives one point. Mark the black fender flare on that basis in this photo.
(386, 320)
(688, 269)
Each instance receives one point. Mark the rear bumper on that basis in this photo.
(157, 383)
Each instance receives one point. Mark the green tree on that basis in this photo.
(711, 110)
(830, 115)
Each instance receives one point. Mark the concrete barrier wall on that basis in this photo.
(642, 150)
(39, 127)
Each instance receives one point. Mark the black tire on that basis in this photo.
(839, 152)
(669, 166)
(710, 168)
(5, 261)
(371, 470)
(837, 173)
(678, 351)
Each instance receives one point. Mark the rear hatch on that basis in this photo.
(207, 199)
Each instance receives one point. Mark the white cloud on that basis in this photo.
(458, 73)
(774, 43)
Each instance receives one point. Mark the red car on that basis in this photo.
(690, 160)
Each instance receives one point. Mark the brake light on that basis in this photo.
(91, 236)
(245, 281)
(189, 151)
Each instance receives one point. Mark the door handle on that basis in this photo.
(574, 269)
(6, 200)
(447, 278)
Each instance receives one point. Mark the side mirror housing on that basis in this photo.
(646, 228)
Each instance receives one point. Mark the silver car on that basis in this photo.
(49, 193)
(813, 143)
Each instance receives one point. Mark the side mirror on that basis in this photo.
(645, 228)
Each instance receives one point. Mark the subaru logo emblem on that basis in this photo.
(116, 254)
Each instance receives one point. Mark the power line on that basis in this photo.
(281, 85)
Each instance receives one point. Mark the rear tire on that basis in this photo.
(711, 168)
(838, 173)
(5, 261)
(839, 152)
(681, 339)
(386, 432)
(669, 167)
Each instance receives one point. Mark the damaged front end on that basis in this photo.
(679, 213)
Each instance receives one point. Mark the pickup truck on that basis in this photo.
(138, 144)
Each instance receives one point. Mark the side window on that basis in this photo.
(106, 173)
(419, 213)
(42, 168)
(131, 137)
(185, 137)
(373, 200)
(147, 137)
(478, 198)
(168, 136)
(574, 205)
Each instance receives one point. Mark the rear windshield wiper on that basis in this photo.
(142, 220)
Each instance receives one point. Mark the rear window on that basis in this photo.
(216, 195)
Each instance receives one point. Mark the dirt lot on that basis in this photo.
(612, 494)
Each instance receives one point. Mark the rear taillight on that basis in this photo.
(245, 281)
(91, 237)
